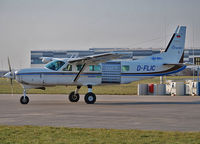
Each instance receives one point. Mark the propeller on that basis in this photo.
(10, 75)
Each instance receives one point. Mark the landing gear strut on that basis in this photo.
(90, 97)
(74, 96)
(24, 99)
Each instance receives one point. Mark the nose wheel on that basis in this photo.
(24, 99)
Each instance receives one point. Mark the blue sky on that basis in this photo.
(81, 24)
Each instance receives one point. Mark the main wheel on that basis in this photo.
(24, 100)
(90, 98)
(74, 97)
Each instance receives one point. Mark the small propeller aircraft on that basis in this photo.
(87, 71)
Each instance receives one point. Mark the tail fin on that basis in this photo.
(175, 49)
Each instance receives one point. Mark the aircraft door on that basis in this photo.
(111, 72)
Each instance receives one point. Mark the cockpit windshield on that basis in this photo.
(55, 65)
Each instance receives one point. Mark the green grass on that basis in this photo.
(62, 135)
(122, 89)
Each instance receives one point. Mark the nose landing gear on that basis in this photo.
(24, 99)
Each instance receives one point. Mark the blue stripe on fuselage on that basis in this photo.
(156, 74)
(100, 74)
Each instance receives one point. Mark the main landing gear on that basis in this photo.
(24, 99)
(74, 96)
(90, 97)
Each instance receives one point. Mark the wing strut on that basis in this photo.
(81, 70)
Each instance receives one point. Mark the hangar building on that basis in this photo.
(190, 55)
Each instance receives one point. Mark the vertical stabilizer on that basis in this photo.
(175, 49)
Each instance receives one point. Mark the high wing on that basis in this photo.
(93, 59)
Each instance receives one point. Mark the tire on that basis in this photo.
(74, 97)
(90, 98)
(24, 100)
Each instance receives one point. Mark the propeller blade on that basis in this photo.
(11, 81)
(12, 89)
(9, 66)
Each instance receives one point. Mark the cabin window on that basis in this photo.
(78, 67)
(95, 68)
(68, 68)
(55, 65)
(197, 60)
(125, 68)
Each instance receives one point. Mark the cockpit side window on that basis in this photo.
(68, 68)
(55, 65)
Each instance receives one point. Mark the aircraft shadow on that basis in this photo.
(147, 103)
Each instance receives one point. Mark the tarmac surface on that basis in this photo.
(179, 113)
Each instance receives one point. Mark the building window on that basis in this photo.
(197, 60)
(125, 68)
(68, 68)
(95, 68)
(78, 67)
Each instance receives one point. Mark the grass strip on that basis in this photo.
(62, 135)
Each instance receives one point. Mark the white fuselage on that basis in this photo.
(111, 72)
